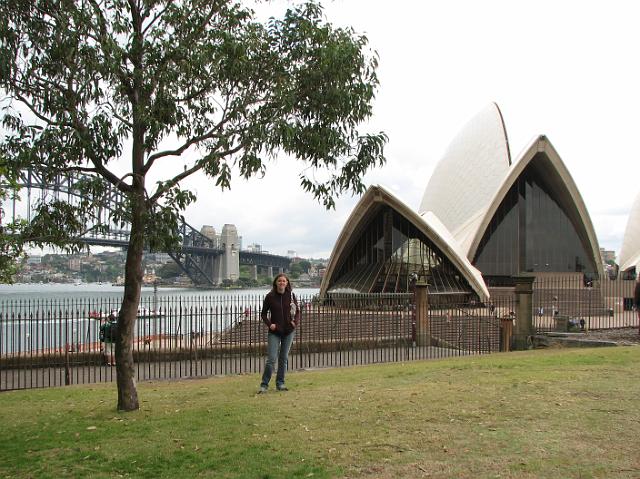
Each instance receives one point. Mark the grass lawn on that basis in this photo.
(571, 413)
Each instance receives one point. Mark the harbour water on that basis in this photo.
(57, 292)
(50, 317)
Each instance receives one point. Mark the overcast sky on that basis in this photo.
(569, 70)
(566, 69)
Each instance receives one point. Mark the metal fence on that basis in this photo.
(56, 342)
(591, 305)
(53, 343)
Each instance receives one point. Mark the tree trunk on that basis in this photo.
(127, 392)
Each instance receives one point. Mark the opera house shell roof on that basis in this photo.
(630, 251)
(483, 213)
(481, 151)
(384, 249)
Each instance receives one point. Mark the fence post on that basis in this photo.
(423, 328)
(524, 312)
(67, 366)
(506, 333)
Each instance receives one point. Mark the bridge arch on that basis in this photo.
(201, 259)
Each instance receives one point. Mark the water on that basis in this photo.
(48, 317)
(91, 291)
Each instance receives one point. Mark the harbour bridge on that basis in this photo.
(207, 260)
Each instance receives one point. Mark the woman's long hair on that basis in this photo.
(275, 281)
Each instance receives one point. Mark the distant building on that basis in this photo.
(149, 277)
(313, 270)
(291, 253)
(34, 259)
(163, 258)
(74, 263)
(607, 256)
(254, 248)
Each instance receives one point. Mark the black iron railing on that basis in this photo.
(53, 343)
(598, 304)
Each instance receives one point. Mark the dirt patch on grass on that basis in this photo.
(622, 336)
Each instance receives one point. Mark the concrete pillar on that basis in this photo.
(523, 329)
(218, 269)
(231, 256)
(270, 271)
(423, 327)
(254, 271)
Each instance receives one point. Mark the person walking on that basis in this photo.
(281, 314)
(107, 334)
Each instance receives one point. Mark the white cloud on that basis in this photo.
(568, 70)
(563, 69)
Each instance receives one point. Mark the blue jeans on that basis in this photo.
(277, 347)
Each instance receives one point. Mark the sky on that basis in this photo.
(569, 70)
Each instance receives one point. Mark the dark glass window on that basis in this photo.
(532, 231)
(387, 252)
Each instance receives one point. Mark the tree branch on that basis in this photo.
(186, 173)
(38, 114)
(155, 18)
(185, 43)
(103, 39)
(185, 146)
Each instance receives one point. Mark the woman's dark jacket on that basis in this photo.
(279, 306)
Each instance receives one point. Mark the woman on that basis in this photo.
(282, 318)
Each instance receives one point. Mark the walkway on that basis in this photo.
(146, 371)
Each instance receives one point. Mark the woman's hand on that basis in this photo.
(272, 327)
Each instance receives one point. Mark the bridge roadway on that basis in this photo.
(246, 257)
(119, 239)
(199, 256)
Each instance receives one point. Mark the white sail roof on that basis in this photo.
(630, 250)
(475, 173)
(466, 178)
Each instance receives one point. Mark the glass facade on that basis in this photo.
(385, 255)
(534, 230)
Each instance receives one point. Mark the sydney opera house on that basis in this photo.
(484, 218)
(630, 251)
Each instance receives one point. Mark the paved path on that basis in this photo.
(57, 376)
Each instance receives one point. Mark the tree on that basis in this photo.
(294, 270)
(11, 252)
(169, 270)
(304, 265)
(149, 81)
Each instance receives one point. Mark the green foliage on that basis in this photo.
(294, 270)
(204, 80)
(304, 265)
(10, 251)
(299, 267)
(169, 270)
(199, 79)
(246, 282)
